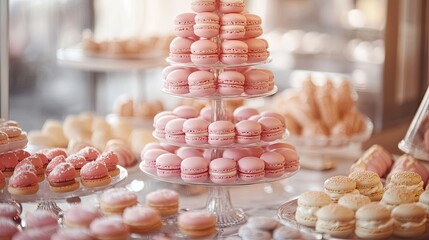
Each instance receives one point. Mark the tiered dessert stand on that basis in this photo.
(219, 200)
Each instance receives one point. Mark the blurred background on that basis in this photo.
(380, 46)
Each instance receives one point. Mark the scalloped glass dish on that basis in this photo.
(238, 182)
(218, 96)
(45, 193)
(234, 145)
(218, 64)
(332, 141)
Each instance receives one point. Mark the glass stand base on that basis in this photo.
(219, 203)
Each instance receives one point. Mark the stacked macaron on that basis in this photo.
(197, 166)
(12, 137)
(260, 227)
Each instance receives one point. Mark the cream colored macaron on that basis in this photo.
(337, 186)
(369, 184)
(413, 181)
(335, 220)
(373, 221)
(409, 220)
(395, 196)
(354, 201)
(308, 204)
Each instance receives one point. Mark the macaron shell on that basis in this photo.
(223, 170)
(184, 25)
(203, 6)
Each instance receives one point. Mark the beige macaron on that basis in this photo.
(409, 220)
(337, 186)
(369, 184)
(395, 196)
(373, 221)
(354, 201)
(308, 204)
(412, 180)
(335, 220)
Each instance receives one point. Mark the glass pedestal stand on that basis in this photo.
(219, 203)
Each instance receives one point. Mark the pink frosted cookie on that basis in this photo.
(4, 142)
(194, 169)
(251, 169)
(40, 218)
(174, 130)
(21, 154)
(204, 52)
(236, 153)
(186, 152)
(270, 74)
(274, 164)
(184, 25)
(253, 26)
(23, 183)
(142, 219)
(244, 113)
(9, 211)
(80, 215)
(258, 50)
(43, 233)
(203, 5)
(291, 158)
(78, 161)
(202, 83)
(72, 234)
(196, 131)
(89, 153)
(177, 81)
(37, 164)
(54, 162)
(223, 170)
(162, 114)
(168, 165)
(233, 52)
(43, 158)
(161, 123)
(180, 50)
(8, 228)
(149, 159)
(122, 149)
(230, 83)
(248, 131)
(164, 200)
(110, 159)
(206, 25)
(221, 133)
(256, 82)
(62, 178)
(197, 224)
(228, 6)
(255, 151)
(272, 129)
(111, 227)
(150, 146)
(114, 201)
(95, 174)
(233, 26)
(54, 152)
(185, 111)
(9, 161)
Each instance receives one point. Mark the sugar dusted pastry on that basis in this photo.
(369, 184)
(123, 150)
(338, 186)
(411, 180)
(308, 204)
(344, 98)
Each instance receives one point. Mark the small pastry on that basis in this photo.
(9, 211)
(142, 220)
(110, 159)
(373, 222)
(409, 220)
(37, 163)
(354, 201)
(184, 25)
(80, 216)
(337, 186)
(40, 219)
(258, 52)
(149, 159)
(369, 184)
(164, 200)
(77, 161)
(251, 169)
(4, 142)
(223, 170)
(126, 157)
(308, 204)
(221, 133)
(53, 163)
(253, 26)
(204, 52)
(244, 113)
(395, 196)
(8, 228)
(53, 152)
(114, 201)
(36, 233)
(257, 81)
(246, 232)
(72, 234)
(62, 178)
(411, 180)
(194, 169)
(203, 5)
(334, 213)
(248, 131)
(95, 174)
(168, 165)
(236, 153)
(9, 161)
(107, 228)
(197, 224)
(409, 163)
(54, 130)
(23, 183)
(89, 153)
(206, 25)
(274, 164)
(186, 152)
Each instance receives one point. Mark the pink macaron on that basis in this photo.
(274, 164)
(248, 131)
(53, 152)
(42, 233)
(256, 151)
(168, 165)
(72, 234)
(80, 215)
(291, 158)
(206, 25)
(168, 70)
(185, 111)
(174, 131)
(54, 162)
(22, 154)
(111, 227)
(256, 82)
(258, 50)
(186, 152)
(161, 123)
(204, 52)
(223, 170)
(230, 83)
(8, 228)
(203, 5)
(149, 159)
(194, 169)
(180, 50)
(40, 218)
(233, 26)
(169, 148)
(9, 211)
(228, 6)
(253, 26)
(206, 113)
(150, 146)
(236, 153)
(89, 153)
(233, 52)
(202, 83)
(244, 113)
(270, 74)
(196, 131)
(251, 169)
(275, 115)
(177, 81)
(272, 129)
(221, 133)
(184, 25)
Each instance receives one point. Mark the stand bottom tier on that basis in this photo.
(219, 203)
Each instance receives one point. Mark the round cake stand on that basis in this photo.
(47, 199)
